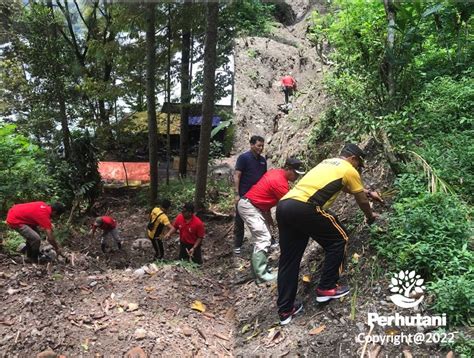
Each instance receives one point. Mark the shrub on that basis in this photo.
(23, 170)
(455, 297)
(11, 241)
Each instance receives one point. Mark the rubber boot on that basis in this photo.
(260, 267)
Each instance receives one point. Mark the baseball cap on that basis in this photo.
(295, 164)
(353, 149)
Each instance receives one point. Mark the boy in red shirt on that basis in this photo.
(191, 232)
(109, 229)
(255, 206)
(26, 218)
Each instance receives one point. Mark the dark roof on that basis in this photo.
(194, 108)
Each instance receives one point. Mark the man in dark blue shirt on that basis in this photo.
(249, 168)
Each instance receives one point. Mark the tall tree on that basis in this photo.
(185, 91)
(150, 100)
(207, 103)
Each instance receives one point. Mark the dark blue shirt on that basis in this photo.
(252, 169)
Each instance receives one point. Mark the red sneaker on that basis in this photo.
(326, 295)
(285, 317)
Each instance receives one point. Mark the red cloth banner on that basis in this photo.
(121, 171)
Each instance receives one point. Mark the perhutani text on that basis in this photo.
(407, 321)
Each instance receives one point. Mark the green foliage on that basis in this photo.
(79, 178)
(463, 346)
(455, 297)
(430, 233)
(178, 192)
(249, 17)
(11, 241)
(219, 194)
(23, 170)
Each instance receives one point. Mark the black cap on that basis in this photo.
(352, 149)
(295, 164)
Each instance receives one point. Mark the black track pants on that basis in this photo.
(297, 222)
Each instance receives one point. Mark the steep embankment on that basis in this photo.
(260, 63)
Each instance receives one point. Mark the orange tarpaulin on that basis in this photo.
(124, 170)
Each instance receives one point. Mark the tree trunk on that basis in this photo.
(207, 103)
(390, 12)
(168, 93)
(383, 136)
(185, 92)
(65, 128)
(150, 101)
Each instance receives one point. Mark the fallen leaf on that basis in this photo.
(85, 345)
(245, 328)
(375, 352)
(149, 288)
(120, 309)
(188, 332)
(209, 315)
(132, 307)
(221, 336)
(230, 314)
(450, 354)
(136, 352)
(198, 306)
(317, 330)
(355, 257)
(274, 336)
(307, 278)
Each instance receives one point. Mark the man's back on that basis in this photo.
(288, 81)
(36, 213)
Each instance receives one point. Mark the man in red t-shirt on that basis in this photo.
(109, 230)
(255, 206)
(191, 232)
(288, 84)
(26, 218)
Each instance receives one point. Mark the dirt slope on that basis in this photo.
(260, 63)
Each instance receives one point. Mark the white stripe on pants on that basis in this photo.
(257, 224)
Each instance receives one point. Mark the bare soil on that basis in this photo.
(99, 308)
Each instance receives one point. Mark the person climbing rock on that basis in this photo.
(254, 208)
(158, 221)
(109, 232)
(288, 84)
(191, 233)
(27, 218)
(249, 168)
(303, 213)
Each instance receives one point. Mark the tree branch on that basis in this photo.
(65, 10)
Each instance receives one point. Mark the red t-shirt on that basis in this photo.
(288, 81)
(34, 214)
(269, 190)
(108, 223)
(190, 231)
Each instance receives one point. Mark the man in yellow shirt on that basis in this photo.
(158, 221)
(302, 213)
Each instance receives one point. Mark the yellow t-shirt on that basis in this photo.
(162, 220)
(322, 184)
